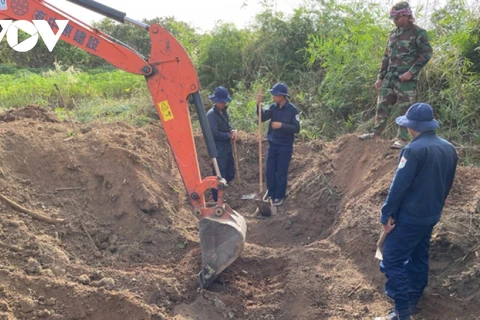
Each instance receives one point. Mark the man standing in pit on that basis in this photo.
(284, 123)
(414, 204)
(223, 134)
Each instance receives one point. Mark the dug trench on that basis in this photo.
(129, 247)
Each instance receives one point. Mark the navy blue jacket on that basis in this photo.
(288, 116)
(220, 125)
(423, 179)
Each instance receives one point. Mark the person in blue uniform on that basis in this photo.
(423, 179)
(284, 124)
(223, 135)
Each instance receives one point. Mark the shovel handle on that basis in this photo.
(235, 155)
(260, 164)
(381, 239)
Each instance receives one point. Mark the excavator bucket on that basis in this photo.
(222, 233)
(222, 239)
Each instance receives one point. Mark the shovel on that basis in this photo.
(265, 209)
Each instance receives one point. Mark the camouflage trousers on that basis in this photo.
(395, 97)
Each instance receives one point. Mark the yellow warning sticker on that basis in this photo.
(164, 107)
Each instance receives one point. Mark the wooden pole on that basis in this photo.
(260, 156)
(235, 155)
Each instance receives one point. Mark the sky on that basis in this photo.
(201, 14)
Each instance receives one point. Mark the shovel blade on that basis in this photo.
(250, 196)
(222, 240)
(266, 209)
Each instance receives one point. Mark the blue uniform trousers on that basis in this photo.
(278, 160)
(226, 164)
(405, 264)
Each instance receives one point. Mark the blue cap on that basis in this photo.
(419, 117)
(279, 89)
(220, 95)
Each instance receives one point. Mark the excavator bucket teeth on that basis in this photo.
(222, 239)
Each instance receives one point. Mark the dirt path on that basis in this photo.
(129, 249)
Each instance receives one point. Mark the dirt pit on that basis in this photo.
(130, 247)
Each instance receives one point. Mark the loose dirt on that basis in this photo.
(129, 248)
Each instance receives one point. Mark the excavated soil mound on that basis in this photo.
(30, 112)
(129, 246)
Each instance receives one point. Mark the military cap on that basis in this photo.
(401, 8)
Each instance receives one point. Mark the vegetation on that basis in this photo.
(328, 53)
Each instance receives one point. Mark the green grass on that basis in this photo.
(24, 87)
(105, 95)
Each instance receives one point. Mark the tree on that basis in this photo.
(139, 39)
(220, 59)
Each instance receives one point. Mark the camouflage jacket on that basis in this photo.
(408, 49)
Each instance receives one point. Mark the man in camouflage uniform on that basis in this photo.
(408, 50)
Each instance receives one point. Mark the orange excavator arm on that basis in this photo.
(173, 82)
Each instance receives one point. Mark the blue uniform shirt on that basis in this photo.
(220, 126)
(423, 179)
(288, 116)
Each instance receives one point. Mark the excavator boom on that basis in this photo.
(173, 82)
